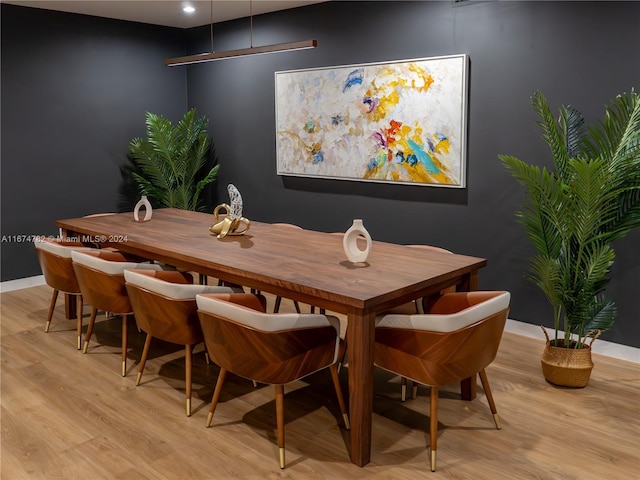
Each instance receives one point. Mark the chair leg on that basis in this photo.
(79, 321)
(433, 426)
(216, 395)
(52, 306)
(295, 304)
(280, 421)
(333, 369)
(414, 390)
(143, 358)
(487, 392)
(92, 319)
(206, 354)
(124, 345)
(403, 389)
(276, 307)
(342, 352)
(188, 349)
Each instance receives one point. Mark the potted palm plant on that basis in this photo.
(572, 214)
(173, 165)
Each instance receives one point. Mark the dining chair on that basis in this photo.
(164, 306)
(457, 339)
(274, 349)
(417, 306)
(54, 257)
(100, 276)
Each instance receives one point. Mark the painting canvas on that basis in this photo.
(395, 122)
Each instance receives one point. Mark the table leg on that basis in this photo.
(361, 336)
(468, 388)
(70, 310)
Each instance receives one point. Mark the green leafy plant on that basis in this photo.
(573, 212)
(173, 162)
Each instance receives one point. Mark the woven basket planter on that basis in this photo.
(567, 367)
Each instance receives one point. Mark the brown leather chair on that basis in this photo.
(54, 256)
(457, 339)
(164, 306)
(269, 348)
(417, 306)
(100, 276)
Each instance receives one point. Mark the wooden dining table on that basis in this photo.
(303, 265)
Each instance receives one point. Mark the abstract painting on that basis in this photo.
(394, 122)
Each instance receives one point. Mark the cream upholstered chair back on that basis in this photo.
(268, 348)
(54, 257)
(100, 275)
(258, 345)
(164, 306)
(457, 339)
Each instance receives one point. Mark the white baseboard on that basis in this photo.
(622, 352)
(21, 283)
(602, 347)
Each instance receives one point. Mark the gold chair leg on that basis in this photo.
(188, 368)
(414, 390)
(216, 395)
(403, 389)
(433, 426)
(124, 345)
(143, 358)
(52, 306)
(280, 421)
(92, 319)
(79, 321)
(487, 392)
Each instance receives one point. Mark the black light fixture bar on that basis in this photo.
(242, 52)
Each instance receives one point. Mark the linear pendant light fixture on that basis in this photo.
(242, 52)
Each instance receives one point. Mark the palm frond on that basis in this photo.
(174, 165)
(552, 132)
(573, 212)
(602, 314)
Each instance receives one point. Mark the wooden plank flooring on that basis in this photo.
(66, 415)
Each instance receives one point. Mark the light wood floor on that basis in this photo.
(66, 415)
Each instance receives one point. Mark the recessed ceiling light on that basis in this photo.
(188, 9)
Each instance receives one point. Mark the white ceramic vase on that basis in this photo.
(147, 207)
(350, 242)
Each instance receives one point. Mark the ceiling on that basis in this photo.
(168, 12)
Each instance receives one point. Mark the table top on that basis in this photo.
(305, 265)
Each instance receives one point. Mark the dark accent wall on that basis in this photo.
(577, 53)
(75, 88)
(74, 92)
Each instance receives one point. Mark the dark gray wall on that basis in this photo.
(74, 92)
(75, 88)
(581, 54)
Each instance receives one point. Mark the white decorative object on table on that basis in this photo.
(232, 220)
(350, 242)
(236, 201)
(147, 207)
